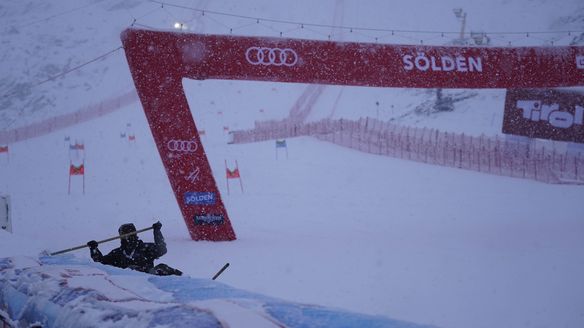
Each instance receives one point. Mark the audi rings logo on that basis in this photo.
(271, 56)
(580, 61)
(183, 146)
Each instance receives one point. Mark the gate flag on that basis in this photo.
(232, 174)
(76, 170)
(4, 150)
(281, 144)
(159, 61)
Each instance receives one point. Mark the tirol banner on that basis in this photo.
(556, 114)
(159, 61)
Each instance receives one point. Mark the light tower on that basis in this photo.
(461, 15)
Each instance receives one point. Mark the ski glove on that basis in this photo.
(157, 225)
(92, 244)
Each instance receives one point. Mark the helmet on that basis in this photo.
(126, 228)
(130, 241)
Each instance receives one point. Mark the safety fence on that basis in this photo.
(493, 155)
(56, 123)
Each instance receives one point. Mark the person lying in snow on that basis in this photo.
(134, 253)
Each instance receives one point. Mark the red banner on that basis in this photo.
(160, 60)
(77, 170)
(232, 174)
(545, 114)
(348, 63)
(77, 146)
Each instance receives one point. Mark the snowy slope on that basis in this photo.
(67, 292)
(378, 236)
(328, 225)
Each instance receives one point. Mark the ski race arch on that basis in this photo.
(159, 61)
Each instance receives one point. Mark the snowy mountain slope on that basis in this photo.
(45, 39)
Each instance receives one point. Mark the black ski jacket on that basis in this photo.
(136, 255)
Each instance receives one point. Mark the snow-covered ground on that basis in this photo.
(328, 225)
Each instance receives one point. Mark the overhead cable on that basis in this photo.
(51, 78)
(350, 28)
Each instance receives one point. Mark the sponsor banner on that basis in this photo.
(194, 175)
(182, 146)
(362, 64)
(556, 114)
(200, 198)
(209, 219)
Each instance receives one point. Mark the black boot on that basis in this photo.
(164, 270)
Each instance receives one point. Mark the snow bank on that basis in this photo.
(65, 291)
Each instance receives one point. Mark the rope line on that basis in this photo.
(350, 28)
(51, 78)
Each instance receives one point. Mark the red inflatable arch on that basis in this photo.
(160, 60)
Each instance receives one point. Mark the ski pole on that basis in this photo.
(102, 241)
(220, 271)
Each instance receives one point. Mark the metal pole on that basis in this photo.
(102, 241)
(220, 271)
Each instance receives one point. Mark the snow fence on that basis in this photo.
(60, 122)
(65, 291)
(483, 154)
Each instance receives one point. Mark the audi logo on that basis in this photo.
(184, 146)
(271, 56)
(580, 61)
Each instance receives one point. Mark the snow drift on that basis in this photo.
(66, 291)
